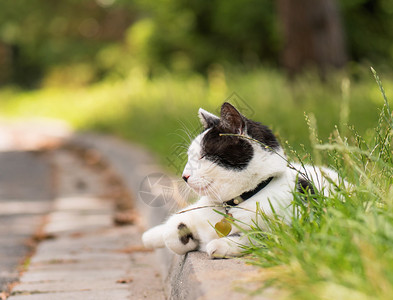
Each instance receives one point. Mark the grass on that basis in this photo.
(336, 249)
(156, 111)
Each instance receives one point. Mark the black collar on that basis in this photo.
(249, 194)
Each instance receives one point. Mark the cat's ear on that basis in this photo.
(208, 120)
(232, 119)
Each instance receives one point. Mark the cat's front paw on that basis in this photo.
(180, 239)
(153, 238)
(223, 248)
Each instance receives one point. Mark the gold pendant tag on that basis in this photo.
(223, 227)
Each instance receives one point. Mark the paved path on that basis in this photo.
(84, 255)
(25, 197)
(89, 258)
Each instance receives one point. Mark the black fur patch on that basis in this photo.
(227, 151)
(304, 186)
(233, 152)
(263, 134)
(185, 233)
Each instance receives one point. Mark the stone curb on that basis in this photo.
(193, 276)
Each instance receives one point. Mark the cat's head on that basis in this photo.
(223, 166)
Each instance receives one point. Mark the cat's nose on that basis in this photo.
(185, 177)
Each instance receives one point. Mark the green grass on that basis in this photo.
(336, 249)
(155, 112)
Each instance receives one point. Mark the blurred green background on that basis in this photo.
(141, 69)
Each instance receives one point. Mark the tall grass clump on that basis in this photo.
(340, 246)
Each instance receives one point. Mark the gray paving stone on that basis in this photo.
(15, 207)
(20, 224)
(69, 286)
(25, 176)
(25, 197)
(73, 286)
(109, 237)
(68, 222)
(97, 265)
(73, 174)
(51, 257)
(71, 275)
(117, 294)
(82, 203)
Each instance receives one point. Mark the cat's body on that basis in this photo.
(237, 173)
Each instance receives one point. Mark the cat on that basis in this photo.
(234, 164)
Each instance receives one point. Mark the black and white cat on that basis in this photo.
(232, 174)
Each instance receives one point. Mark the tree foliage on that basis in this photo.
(82, 41)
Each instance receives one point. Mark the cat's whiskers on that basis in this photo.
(190, 134)
(180, 145)
(215, 193)
(185, 139)
(199, 184)
(212, 190)
(184, 188)
(185, 192)
(186, 135)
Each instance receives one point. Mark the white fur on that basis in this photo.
(204, 115)
(216, 185)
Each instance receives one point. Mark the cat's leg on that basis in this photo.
(154, 238)
(174, 234)
(191, 229)
(185, 231)
(180, 235)
(229, 246)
